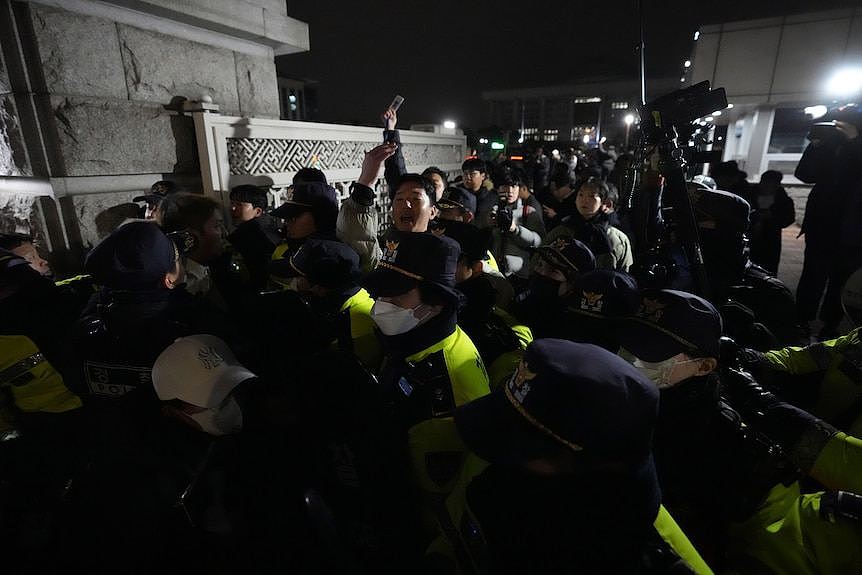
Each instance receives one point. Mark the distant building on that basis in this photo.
(773, 69)
(584, 111)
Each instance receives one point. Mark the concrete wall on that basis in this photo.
(91, 95)
(784, 60)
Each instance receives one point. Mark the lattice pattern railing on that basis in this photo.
(235, 151)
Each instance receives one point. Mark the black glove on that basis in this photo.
(746, 359)
(799, 433)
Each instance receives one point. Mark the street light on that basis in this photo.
(629, 120)
(845, 82)
(687, 64)
(449, 124)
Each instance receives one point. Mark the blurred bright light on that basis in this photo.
(709, 119)
(682, 79)
(603, 140)
(696, 35)
(687, 64)
(497, 146)
(729, 106)
(717, 113)
(449, 124)
(483, 140)
(629, 119)
(816, 111)
(845, 82)
(586, 139)
(521, 140)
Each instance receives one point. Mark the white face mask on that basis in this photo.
(225, 419)
(392, 319)
(658, 372)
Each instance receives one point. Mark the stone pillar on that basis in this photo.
(756, 163)
(91, 99)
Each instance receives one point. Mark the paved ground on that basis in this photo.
(792, 250)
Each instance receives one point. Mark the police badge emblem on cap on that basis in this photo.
(391, 251)
(591, 301)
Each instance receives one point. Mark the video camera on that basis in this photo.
(667, 125)
(672, 115)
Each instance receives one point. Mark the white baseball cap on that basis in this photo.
(198, 369)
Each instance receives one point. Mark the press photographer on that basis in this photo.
(517, 228)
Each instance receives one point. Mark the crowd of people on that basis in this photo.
(487, 379)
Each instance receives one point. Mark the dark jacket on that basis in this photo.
(596, 523)
(701, 449)
(777, 212)
(835, 169)
(254, 241)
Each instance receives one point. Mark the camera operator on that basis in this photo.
(833, 216)
(516, 228)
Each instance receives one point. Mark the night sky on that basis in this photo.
(441, 54)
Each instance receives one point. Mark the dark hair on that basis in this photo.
(305, 175)
(13, 240)
(435, 170)
(181, 211)
(254, 195)
(420, 181)
(563, 179)
(473, 164)
(600, 186)
(772, 176)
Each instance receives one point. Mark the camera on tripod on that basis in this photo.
(671, 116)
(665, 227)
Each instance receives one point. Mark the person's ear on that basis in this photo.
(477, 267)
(258, 212)
(706, 365)
(435, 211)
(468, 216)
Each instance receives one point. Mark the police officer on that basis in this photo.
(311, 210)
(158, 192)
(597, 301)
(555, 269)
(571, 487)
(704, 446)
(499, 337)
(255, 233)
(430, 365)
(328, 272)
(822, 378)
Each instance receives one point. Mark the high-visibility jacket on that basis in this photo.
(363, 341)
(839, 399)
(33, 383)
